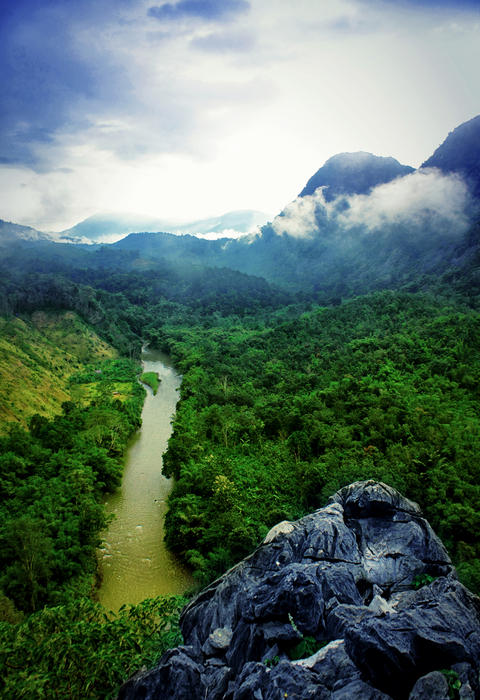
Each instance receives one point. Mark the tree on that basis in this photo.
(30, 572)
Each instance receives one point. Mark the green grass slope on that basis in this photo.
(38, 355)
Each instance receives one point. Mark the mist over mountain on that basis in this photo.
(353, 173)
(14, 233)
(404, 228)
(228, 225)
(371, 223)
(108, 228)
(381, 225)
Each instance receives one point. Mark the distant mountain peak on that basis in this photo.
(460, 153)
(108, 228)
(354, 173)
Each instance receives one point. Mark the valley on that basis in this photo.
(339, 343)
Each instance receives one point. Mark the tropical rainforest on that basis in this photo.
(354, 356)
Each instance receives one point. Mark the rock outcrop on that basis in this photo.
(357, 600)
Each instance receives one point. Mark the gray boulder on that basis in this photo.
(338, 589)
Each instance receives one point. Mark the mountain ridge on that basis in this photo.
(460, 153)
(354, 173)
(11, 232)
(417, 221)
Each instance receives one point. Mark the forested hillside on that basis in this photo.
(282, 402)
(273, 420)
(55, 641)
(38, 355)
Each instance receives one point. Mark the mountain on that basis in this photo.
(354, 173)
(362, 222)
(369, 223)
(172, 247)
(108, 228)
(14, 233)
(460, 153)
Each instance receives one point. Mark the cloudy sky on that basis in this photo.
(191, 108)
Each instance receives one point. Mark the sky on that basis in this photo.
(192, 108)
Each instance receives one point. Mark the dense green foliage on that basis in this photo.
(77, 651)
(151, 379)
(96, 281)
(282, 402)
(51, 482)
(273, 420)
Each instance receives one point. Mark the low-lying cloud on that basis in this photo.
(423, 203)
(298, 219)
(416, 198)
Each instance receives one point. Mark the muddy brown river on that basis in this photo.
(134, 561)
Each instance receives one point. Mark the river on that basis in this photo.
(134, 561)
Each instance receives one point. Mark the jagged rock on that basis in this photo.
(433, 686)
(466, 676)
(439, 628)
(177, 674)
(343, 576)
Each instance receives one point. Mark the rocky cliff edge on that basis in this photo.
(357, 600)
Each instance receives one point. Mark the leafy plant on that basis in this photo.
(305, 648)
(421, 580)
(454, 682)
(79, 651)
(271, 662)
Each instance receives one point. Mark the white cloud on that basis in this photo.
(298, 219)
(422, 197)
(425, 204)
